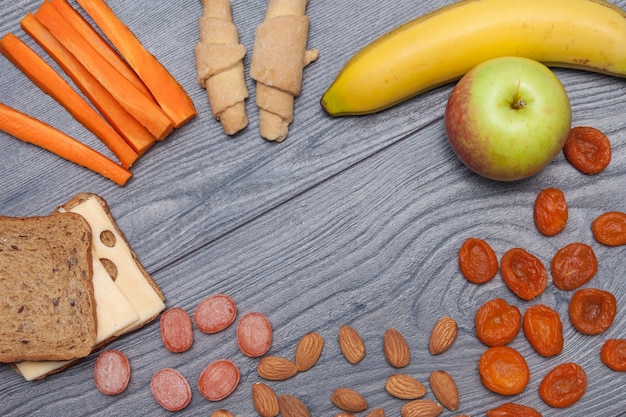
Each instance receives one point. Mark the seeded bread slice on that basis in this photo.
(47, 305)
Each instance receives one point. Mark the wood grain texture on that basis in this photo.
(353, 220)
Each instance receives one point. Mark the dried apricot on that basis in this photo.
(513, 410)
(523, 273)
(592, 311)
(544, 330)
(477, 261)
(613, 354)
(610, 228)
(550, 212)
(587, 149)
(564, 385)
(503, 370)
(497, 322)
(573, 265)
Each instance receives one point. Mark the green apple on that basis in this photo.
(508, 118)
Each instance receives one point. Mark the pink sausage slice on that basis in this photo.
(254, 334)
(218, 380)
(176, 330)
(170, 389)
(215, 313)
(111, 372)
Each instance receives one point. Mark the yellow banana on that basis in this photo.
(441, 46)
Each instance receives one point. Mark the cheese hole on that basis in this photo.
(107, 238)
(110, 267)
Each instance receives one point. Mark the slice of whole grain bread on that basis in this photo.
(47, 306)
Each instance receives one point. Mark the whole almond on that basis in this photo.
(222, 413)
(308, 351)
(396, 349)
(443, 335)
(348, 400)
(351, 344)
(445, 389)
(276, 368)
(421, 408)
(265, 400)
(405, 387)
(345, 414)
(377, 412)
(291, 406)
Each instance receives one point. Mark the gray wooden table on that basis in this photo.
(353, 220)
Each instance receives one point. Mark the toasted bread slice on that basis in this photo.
(47, 305)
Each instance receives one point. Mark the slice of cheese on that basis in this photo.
(130, 279)
(114, 315)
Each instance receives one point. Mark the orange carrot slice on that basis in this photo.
(166, 90)
(87, 31)
(46, 78)
(124, 123)
(38, 133)
(131, 98)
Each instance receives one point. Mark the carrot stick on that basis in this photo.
(126, 125)
(164, 87)
(46, 78)
(87, 31)
(133, 100)
(38, 133)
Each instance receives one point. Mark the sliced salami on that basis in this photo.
(254, 334)
(112, 372)
(215, 313)
(170, 389)
(218, 380)
(176, 330)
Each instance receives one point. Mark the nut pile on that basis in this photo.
(349, 401)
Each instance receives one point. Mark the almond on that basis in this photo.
(443, 335)
(351, 344)
(348, 400)
(308, 351)
(445, 389)
(421, 408)
(405, 387)
(276, 368)
(396, 349)
(291, 406)
(222, 413)
(265, 400)
(377, 412)
(345, 414)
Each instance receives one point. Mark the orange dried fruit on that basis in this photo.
(497, 322)
(587, 149)
(544, 330)
(592, 310)
(503, 370)
(477, 261)
(613, 354)
(550, 212)
(564, 385)
(523, 273)
(573, 265)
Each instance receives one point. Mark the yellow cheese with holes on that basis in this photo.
(130, 279)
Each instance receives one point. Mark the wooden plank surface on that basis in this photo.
(353, 220)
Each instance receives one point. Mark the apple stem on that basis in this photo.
(519, 104)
